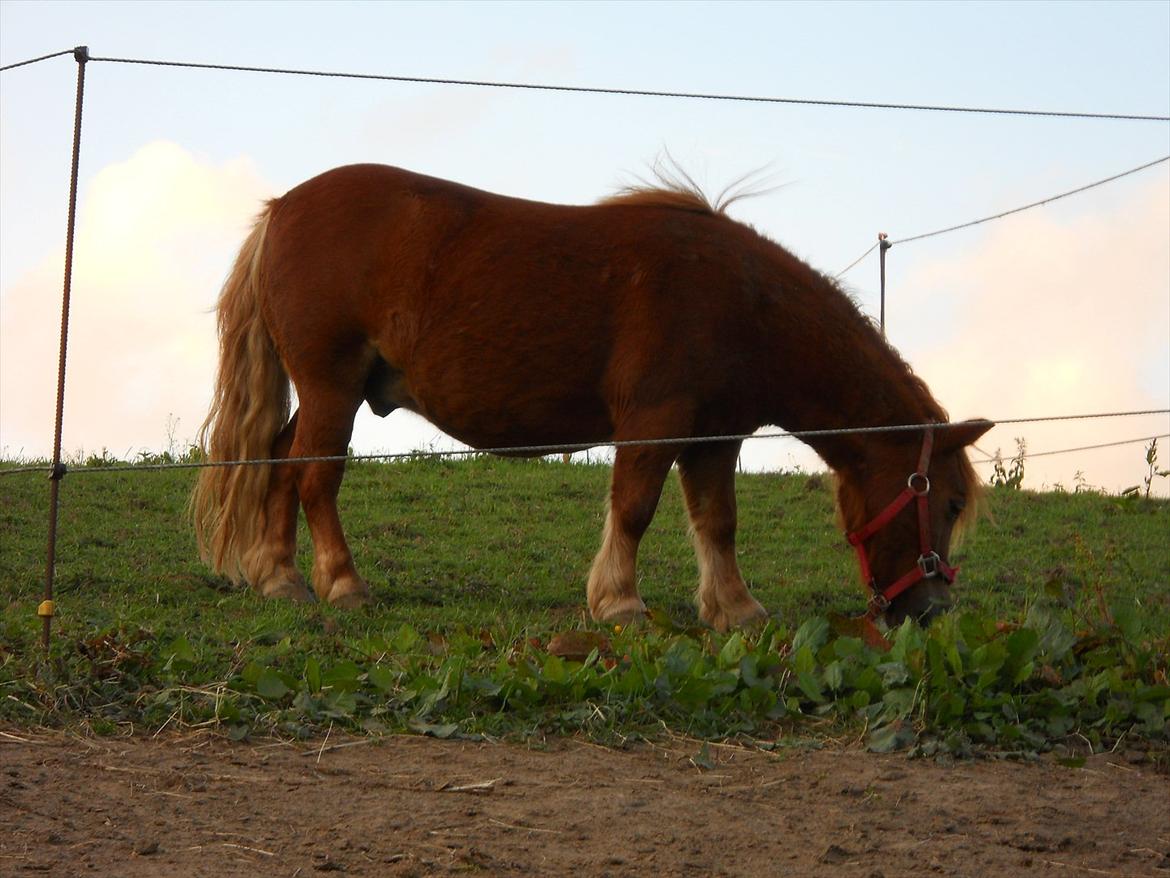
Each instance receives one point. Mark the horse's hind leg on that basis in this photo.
(325, 423)
(271, 563)
(707, 472)
(638, 474)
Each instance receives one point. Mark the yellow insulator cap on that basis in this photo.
(45, 608)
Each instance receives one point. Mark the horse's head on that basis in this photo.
(902, 501)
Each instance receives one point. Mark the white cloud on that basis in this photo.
(156, 235)
(1049, 314)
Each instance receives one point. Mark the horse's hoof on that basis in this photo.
(289, 589)
(353, 599)
(621, 611)
(745, 616)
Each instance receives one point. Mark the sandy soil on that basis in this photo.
(402, 806)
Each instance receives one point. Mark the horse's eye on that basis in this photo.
(956, 507)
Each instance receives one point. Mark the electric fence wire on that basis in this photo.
(856, 261)
(1002, 214)
(568, 447)
(987, 219)
(633, 92)
(1029, 455)
(35, 60)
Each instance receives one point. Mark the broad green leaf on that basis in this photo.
(749, 672)
(834, 676)
(1021, 645)
(1056, 639)
(893, 673)
(870, 682)
(434, 730)
(803, 661)
(382, 678)
(313, 674)
(554, 670)
(844, 647)
(343, 676)
(810, 686)
(1128, 622)
(406, 640)
(812, 634)
(733, 650)
(271, 685)
(889, 738)
(180, 653)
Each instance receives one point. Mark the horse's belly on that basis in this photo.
(493, 410)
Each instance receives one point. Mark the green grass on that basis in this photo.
(476, 564)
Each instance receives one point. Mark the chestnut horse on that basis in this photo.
(507, 322)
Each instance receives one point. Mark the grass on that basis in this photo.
(477, 565)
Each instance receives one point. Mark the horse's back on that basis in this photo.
(502, 319)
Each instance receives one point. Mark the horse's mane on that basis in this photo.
(673, 187)
(932, 410)
(660, 196)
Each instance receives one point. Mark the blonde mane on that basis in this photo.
(659, 196)
(674, 188)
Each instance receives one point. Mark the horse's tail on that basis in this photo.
(249, 408)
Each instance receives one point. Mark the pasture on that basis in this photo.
(1055, 657)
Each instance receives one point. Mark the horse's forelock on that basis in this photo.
(976, 493)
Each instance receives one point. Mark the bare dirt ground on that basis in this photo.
(401, 806)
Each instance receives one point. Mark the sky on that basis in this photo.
(1061, 310)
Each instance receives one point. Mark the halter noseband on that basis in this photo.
(929, 563)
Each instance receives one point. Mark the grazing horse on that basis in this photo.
(507, 322)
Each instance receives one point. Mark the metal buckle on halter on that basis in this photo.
(910, 484)
(929, 564)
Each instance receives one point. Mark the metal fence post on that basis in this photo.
(45, 610)
(883, 246)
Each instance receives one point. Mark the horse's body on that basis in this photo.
(509, 323)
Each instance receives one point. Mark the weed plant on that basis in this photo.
(1061, 636)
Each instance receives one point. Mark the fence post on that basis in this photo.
(883, 246)
(45, 610)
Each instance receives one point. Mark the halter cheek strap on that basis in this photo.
(929, 564)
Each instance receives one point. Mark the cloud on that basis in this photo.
(1053, 313)
(1048, 312)
(156, 235)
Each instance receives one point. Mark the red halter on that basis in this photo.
(929, 563)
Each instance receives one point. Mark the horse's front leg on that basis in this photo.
(638, 474)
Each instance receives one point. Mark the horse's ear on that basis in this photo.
(962, 434)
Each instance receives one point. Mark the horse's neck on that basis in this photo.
(865, 385)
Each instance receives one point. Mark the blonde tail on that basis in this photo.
(249, 409)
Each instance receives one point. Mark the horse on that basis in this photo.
(649, 315)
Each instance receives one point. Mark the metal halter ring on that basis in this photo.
(910, 484)
(929, 564)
